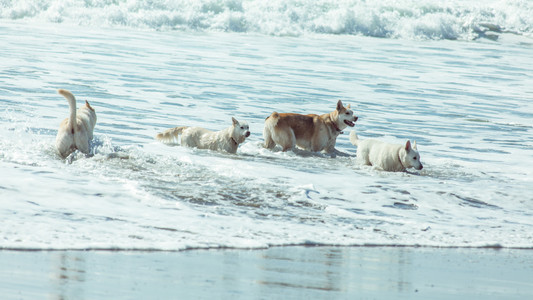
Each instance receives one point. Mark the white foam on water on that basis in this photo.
(468, 105)
(410, 19)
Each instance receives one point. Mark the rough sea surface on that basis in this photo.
(456, 76)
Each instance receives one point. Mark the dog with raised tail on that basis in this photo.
(310, 132)
(385, 156)
(227, 140)
(76, 131)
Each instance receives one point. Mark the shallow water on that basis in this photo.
(468, 104)
(274, 273)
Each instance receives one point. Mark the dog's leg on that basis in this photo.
(65, 142)
(83, 145)
(363, 156)
(333, 153)
(287, 148)
(267, 136)
(287, 140)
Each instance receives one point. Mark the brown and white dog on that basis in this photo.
(310, 132)
(76, 131)
(224, 140)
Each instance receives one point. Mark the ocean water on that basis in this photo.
(455, 76)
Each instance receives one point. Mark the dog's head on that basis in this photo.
(345, 116)
(412, 157)
(87, 114)
(88, 105)
(241, 131)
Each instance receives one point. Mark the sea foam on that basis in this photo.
(425, 19)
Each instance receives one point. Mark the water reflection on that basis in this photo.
(318, 271)
(274, 273)
(69, 274)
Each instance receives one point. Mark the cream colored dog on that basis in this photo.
(225, 140)
(388, 157)
(310, 132)
(76, 131)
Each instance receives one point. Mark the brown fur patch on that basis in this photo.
(311, 132)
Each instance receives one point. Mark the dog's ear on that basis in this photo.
(348, 106)
(339, 105)
(235, 122)
(88, 105)
(414, 145)
(408, 146)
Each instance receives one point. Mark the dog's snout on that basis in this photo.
(247, 133)
(355, 118)
(421, 167)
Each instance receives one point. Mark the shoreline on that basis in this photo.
(273, 273)
(223, 248)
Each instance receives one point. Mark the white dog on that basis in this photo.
(225, 140)
(310, 132)
(388, 157)
(76, 131)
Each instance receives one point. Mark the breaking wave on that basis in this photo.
(411, 19)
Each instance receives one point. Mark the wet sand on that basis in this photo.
(294, 272)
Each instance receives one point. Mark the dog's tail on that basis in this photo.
(170, 136)
(274, 115)
(354, 139)
(272, 120)
(72, 106)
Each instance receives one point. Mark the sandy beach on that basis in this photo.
(294, 272)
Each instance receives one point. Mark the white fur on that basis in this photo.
(227, 140)
(385, 156)
(76, 131)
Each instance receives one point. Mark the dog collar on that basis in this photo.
(400, 160)
(336, 127)
(234, 141)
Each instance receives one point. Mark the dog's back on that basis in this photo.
(300, 124)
